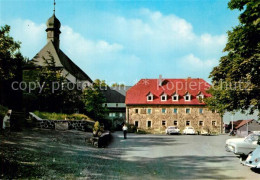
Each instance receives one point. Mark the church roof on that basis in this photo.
(115, 94)
(53, 22)
(61, 60)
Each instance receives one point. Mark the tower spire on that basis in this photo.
(54, 3)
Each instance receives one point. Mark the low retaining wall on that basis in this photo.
(81, 125)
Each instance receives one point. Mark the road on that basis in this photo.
(49, 154)
(179, 157)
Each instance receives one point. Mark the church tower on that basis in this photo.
(53, 30)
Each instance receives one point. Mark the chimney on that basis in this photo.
(160, 80)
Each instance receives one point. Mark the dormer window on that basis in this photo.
(164, 97)
(187, 97)
(200, 96)
(150, 97)
(175, 97)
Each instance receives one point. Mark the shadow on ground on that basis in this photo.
(53, 154)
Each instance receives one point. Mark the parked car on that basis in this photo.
(189, 130)
(253, 159)
(172, 130)
(242, 146)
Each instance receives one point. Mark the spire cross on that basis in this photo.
(54, 7)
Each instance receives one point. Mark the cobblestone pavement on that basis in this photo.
(53, 154)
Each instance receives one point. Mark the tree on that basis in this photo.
(56, 93)
(94, 100)
(11, 62)
(236, 80)
(100, 83)
(117, 85)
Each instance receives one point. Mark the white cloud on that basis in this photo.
(143, 46)
(31, 35)
(195, 64)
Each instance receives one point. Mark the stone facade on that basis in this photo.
(158, 117)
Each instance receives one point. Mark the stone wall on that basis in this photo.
(157, 117)
(80, 125)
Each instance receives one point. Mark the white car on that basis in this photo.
(242, 146)
(189, 130)
(172, 130)
(253, 159)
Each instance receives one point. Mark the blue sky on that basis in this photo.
(123, 41)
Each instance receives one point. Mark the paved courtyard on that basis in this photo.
(52, 154)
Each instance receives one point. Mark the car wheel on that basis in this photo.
(243, 157)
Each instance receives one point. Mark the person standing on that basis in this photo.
(124, 130)
(6, 122)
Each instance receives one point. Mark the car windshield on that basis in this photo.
(190, 128)
(252, 137)
(172, 127)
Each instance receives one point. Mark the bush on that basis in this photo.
(3, 111)
(60, 116)
(131, 128)
(140, 131)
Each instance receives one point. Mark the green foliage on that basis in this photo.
(10, 56)
(141, 131)
(94, 100)
(11, 63)
(3, 111)
(241, 64)
(61, 116)
(96, 126)
(100, 83)
(117, 85)
(55, 95)
(131, 128)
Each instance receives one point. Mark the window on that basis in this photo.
(149, 124)
(175, 97)
(163, 123)
(187, 123)
(187, 97)
(175, 111)
(187, 110)
(136, 124)
(163, 110)
(150, 97)
(149, 111)
(175, 123)
(201, 110)
(136, 111)
(164, 97)
(200, 96)
(112, 114)
(214, 123)
(201, 123)
(120, 114)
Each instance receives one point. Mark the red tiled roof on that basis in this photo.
(138, 93)
(242, 123)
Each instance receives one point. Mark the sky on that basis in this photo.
(124, 41)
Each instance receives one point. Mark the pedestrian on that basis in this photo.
(6, 122)
(124, 130)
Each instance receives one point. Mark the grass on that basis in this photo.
(61, 116)
(3, 111)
